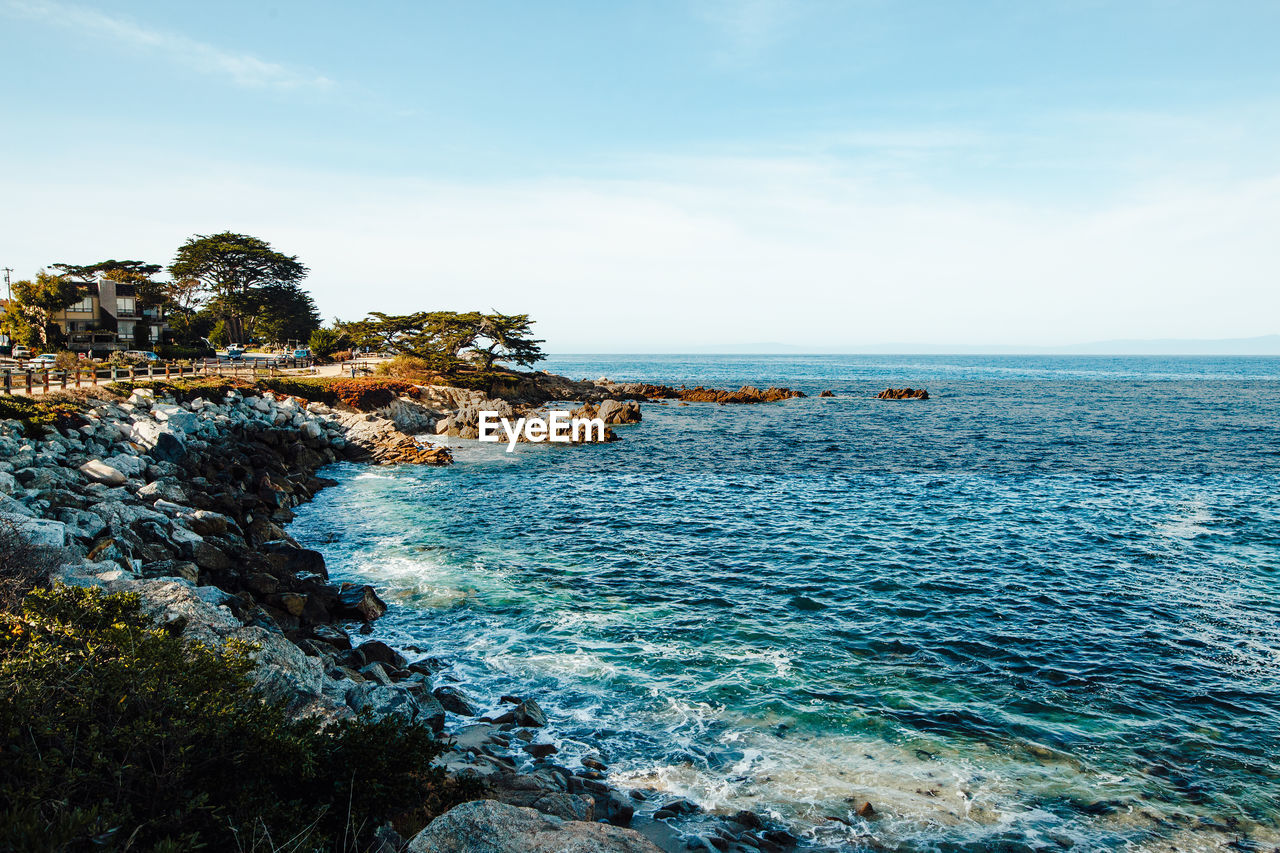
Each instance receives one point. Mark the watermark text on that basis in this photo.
(557, 426)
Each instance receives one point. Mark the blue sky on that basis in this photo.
(670, 175)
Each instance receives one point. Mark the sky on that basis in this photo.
(676, 175)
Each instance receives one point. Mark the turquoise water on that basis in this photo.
(1036, 611)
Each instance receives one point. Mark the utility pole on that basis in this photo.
(9, 297)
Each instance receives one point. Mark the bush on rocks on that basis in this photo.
(184, 390)
(361, 394)
(120, 737)
(49, 410)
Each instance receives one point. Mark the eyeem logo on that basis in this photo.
(558, 426)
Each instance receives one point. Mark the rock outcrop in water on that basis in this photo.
(903, 394)
(744, 395)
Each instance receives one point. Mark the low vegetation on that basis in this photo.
(59, 409)
(121, 737)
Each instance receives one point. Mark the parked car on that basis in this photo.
(45, 359)
(141, 355)
(21, 352)
(235, 353)
(302, 353)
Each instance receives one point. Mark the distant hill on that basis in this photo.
(1262, 345)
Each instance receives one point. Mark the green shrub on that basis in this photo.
(120, 737)
(409, 367)
(311, 390)
(213, 388)
(48, 410)
(170, 352)
(325, 342)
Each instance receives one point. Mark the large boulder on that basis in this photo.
(487, 826)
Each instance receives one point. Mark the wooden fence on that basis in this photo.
(31, 380)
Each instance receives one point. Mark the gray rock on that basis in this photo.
(209, 523)
(37, 531)
(161, 441)
(455, 701)
(529, 713)
(100, 472)
(616, 412)
(130, 466)
(176, 418)
(166, 490)
(487, 826)
(12, 507)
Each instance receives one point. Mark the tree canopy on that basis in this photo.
(239, 271)
(28, 318)
(280, 312)
(448, 339)
(117, 270)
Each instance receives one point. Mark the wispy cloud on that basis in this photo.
(241, 68)
(747, 26)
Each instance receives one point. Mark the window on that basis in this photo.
(126, 328)
(84, 305)
(125, 306)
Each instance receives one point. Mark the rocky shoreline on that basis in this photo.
(181, 496)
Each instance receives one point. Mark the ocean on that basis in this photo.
(1040, 610)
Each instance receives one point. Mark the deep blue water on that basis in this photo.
(1037, 610)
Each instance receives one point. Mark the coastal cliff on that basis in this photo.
(180, 496)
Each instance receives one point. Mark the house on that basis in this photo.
(109, 312)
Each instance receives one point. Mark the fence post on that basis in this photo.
(63, 380)
(44, 381)
(8, 382)
(133, 373)
(78, 371)
(115, 373)
(151, 370)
